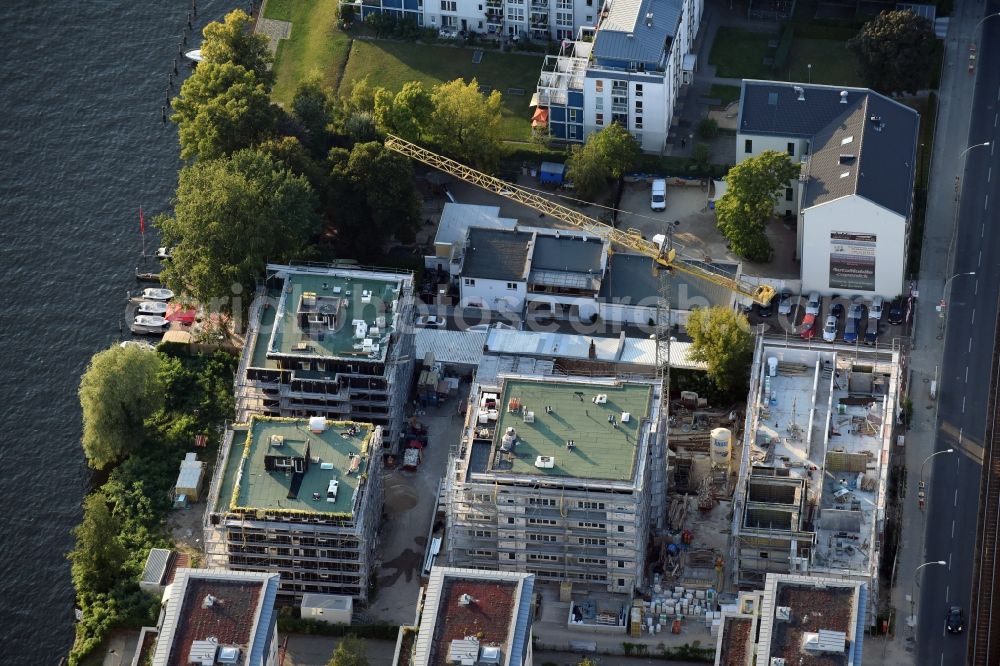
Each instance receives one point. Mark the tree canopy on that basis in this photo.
(465, 123)
(118, 391)
(232, 216)
(895, 52)
(222, 108)
(743, 211)
(313, 106)
(609, 153)
(721, 338)
(234, 41)
(350, 651)
(97, 556)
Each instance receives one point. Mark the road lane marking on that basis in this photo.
(966, 374)
(947, 591)
(980, 258)
(986, 204)
(959, 458)
(970, 345)
(963, 411)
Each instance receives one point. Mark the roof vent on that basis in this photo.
(228, 654)
(843, 97)
(846, 159)
(465, 600)
(630, 35)
(208, 601)
(649, 19)
(874, 118)
(778, 661)
(801, 93)
(783, 613)
(490, 655)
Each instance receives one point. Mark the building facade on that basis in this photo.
(330, 342)
(554, 478)
(628, 70)
(301, 498)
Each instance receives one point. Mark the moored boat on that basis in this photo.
(157, 294)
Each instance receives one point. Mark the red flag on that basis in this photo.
(142, 222)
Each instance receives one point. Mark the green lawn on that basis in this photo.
(725, 94)
(391, 64)
(832, 63)
(740, 53)
(316, 44)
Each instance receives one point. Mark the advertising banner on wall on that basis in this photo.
(852, 260)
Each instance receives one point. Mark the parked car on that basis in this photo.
(871, 335)
(658, 196)
(897, 311)
(856, 311)
(875, 311)
(431, 321)
(814, 304)
(766, 309)
(837, 310)
(808, 329)
(851, 329)
(785, 302)
(955, 622)
(830, 329)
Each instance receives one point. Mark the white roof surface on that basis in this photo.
(637, 351)
(456, 219)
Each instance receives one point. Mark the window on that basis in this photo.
(590, 19)
(592, 541)
(638, 90)
(511, 556)
(599, 85)
(621, 582)
(512, 286)
(480, 533)
(564, 19)
(748, 146)
(564, 4)
(541, 521)
(638, 106)
(621, 564)
(510, 520)
(449, 5)
(592, 560)
(574, 116)
(482, 553)
(541, 501)
(599, 118)
(621, 528)
(593, 526)
(482, 497)
(638, 123)
(599, 103)
(791, 149)
(549, 538)
(469, 282)
(479, 517)
(515, 14)
(763, 555)
(789, 194)
(535, 557)
(591, 505)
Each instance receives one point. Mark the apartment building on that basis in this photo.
(555, 478)
(628, 70)
(810, 497)
(329, 341)
(301, 498)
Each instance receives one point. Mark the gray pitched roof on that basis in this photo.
(870, 151)
(496, 254)
(627, 34)
(773, 108)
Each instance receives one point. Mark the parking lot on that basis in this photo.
(776, 323)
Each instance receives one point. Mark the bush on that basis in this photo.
(298, 625)
(701, 154)
(708, 128)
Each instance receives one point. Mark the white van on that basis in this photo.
(658, 199)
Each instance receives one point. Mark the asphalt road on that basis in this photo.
(953, 497)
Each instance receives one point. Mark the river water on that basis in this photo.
(82, 146)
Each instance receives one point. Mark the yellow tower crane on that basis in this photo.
(662, 253)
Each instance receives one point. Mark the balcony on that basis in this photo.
(540, 4)
(494, 3)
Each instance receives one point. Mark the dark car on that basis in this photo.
(766, 309)
(897, 312)
(871, 336)
(837, 310)
(956, 620)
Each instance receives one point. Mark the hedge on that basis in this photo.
(297, 625)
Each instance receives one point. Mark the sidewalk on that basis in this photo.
(955, 95)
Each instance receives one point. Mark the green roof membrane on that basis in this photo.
(601, 449)
(261, 485)
(314, 316)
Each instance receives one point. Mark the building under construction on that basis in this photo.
(810, 498)
(553, 477)
(329, 341)
(300, 497)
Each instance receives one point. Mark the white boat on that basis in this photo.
(149, 324)
(152, 308)
(157, 294)
(138, 344)
(194, 56)
(164, 253)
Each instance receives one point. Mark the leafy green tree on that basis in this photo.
(465, 123)
(97, 556)
(222, 108)
(751, 189)
(289, 151)
(721, 339)
(895, 52)
(232, 216)
(350, 651)
(587, 171)
(409, 114)
(118, 391)
(235, 41)
(313, 107)
(616, 148)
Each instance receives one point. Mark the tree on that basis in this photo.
(409, 112)
(97, 556)
(616, 148)
(313, 106)
(895, 52)
(118, 391)
(235, 41)
(743, 211)
(350, 651)
(465, 123)
(609, 153)
(721, 339)
(222, 108)
(232, 216)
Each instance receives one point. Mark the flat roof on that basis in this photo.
(255, 486)
(313, 314)
(601, 449)
(813, 609)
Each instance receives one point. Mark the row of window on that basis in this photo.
(471, 282)
(617, 87)
(748, 147)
